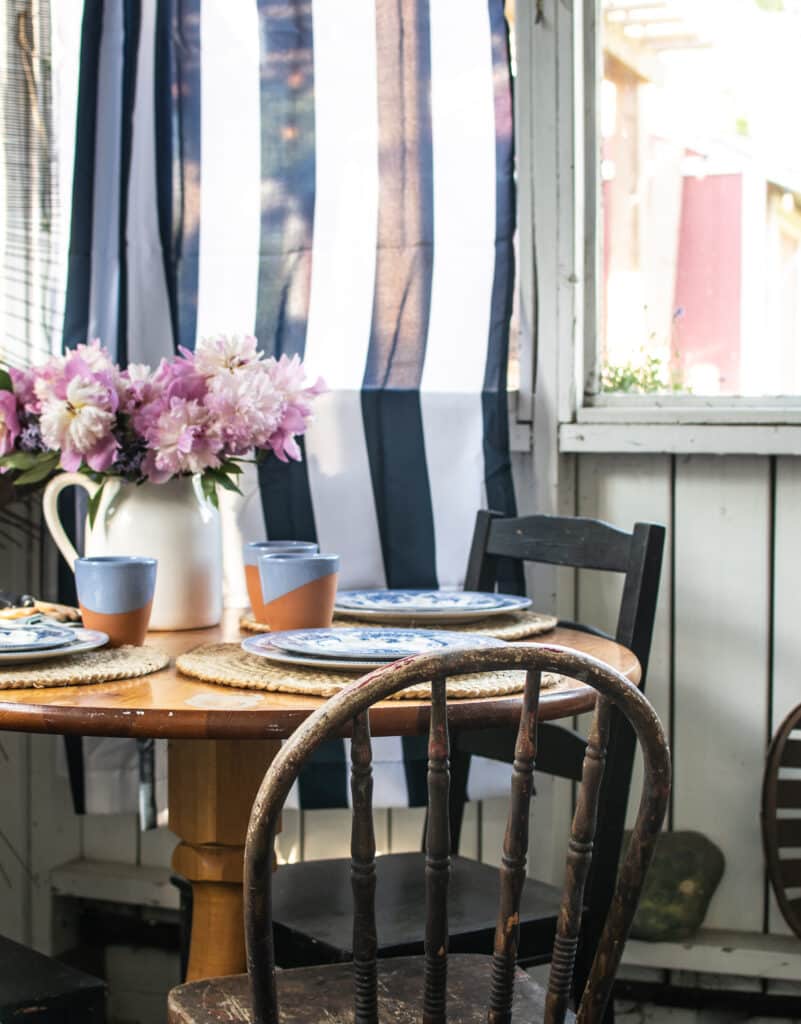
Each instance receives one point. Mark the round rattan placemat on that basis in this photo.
(229, 665)
(514, 626)
(101, 666)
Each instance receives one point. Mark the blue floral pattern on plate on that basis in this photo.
(375, 644)
(261, 647)
(33, 637)
(82, 640)
(436, 605)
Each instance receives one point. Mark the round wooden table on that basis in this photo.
(213, 777)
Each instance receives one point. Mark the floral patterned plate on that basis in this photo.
(426, 605)
(83, 640)
(375, 644)
(34, 637)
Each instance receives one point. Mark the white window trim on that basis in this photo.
(564, 53)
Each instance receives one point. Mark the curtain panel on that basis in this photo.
(337, 179)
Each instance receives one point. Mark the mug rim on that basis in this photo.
(118, 560)
(281, 543)
(288, 556)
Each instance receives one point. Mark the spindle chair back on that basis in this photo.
(350, 708)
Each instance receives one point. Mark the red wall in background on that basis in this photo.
(708, 277)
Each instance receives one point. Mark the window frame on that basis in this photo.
(565, 50)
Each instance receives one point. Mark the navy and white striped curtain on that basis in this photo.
(336, 178)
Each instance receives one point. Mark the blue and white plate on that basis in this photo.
(82, 640)
(262, 647)
(375, 644)
(426, 605)
(34, 637)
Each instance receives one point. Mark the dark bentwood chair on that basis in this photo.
(460, 987)
(317, 930)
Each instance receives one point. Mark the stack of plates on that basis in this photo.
(37, 641)
(432, 606)
(359, 649)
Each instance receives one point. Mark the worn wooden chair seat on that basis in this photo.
(470, 983)
(325, 993)
(299, 897)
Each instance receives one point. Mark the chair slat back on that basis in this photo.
(349, 710)
(438, 860)
(577, 542)
(579, 858)
(515, 851)
(362, 848)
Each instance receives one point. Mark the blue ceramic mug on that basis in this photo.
(252, 553)
(115, 594)
(298, 589)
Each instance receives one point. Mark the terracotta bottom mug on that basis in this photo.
(253, 551)
(298, 590)
(115, 595)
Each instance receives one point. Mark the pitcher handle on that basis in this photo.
(50, 509)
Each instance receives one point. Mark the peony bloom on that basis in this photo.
(24, 382)
(180, 379)
(247, 407)
(79, 414)
(225, 355)
(181, 439)
(135, 387)
(95, 357)
(9, 421)
(289, 377)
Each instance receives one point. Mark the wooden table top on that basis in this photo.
(166, 704)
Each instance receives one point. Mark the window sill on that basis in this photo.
(630, 434)
(690, 409)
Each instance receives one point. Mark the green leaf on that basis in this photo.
(228, 466)
(36, 473)
(224, 481)
(209, 488)
(218, 476)
(94, 504)
(5, 381)
(26, 460)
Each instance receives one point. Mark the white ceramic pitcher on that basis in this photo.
(171, 522)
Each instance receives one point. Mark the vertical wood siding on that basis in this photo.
(726, 658)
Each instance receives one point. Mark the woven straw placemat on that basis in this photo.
(101, 666)
(230, 665)
(514, 626)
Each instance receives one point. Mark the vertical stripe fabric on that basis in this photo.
(287, 223)
(338, 180)
(402, 298)
(148, 323)
(117, 287)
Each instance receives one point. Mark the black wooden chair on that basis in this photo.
(455, 988)
(316, 929)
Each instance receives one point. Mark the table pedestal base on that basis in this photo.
(212, 785)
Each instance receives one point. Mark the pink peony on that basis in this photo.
(79, 409)
(289, 377)
(247, 407)
(181, 439)
(135, 388)
(225, 355)
(24, 382)
(179, 378)
(9, 421)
